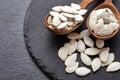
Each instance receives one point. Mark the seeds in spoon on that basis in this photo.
(78, 18)
(92, 20)
(75, 6)
(115, 25)
(62, 25)
(103, 23)
(57, 8)
(56, 21)
(72, 15)
(82, 12)
(53, 13)
(99, 26)
(63, 18)
(106, 30)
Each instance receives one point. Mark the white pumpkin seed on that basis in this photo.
(82, 12)
(100, 43)
(104, 55)
(115, 66)
(62, 25)
(71, 23)
(115, 25)
(104, 15)
(53, 13)
(100, 11)
(68, 9)
(84, 33)
(110, 12)
(81, 46)
(78, 18)
(110, 60)
(86, 59)
(62, 53)
(57, 8)
(92, 51)
(113, 18)
(71, 59)
(49, 20)
(73, 36)
(75, 6)
(68, 48)
(92, 20)
(106, 30)
(68, 15)
(107, 20)
(88, 41)
(96, 64)
(82, 71)
(56, 21)
(73, 44)
(63, 18)
(71, 69)
(98, 26)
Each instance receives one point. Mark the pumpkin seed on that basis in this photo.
(63, 53)
(56, 21)
(84, 33)
(88, 41)
(86, 59)
(100, 43)
(73, 36)
(81, 46)
(104, 55)
(92, 51)
(71, 69)
(57, 8)
(70, 59)
(96, 64)
(110, 59)
(92, 20)
(82, 71)
(75, 6)
(115, 66)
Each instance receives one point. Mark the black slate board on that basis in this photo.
(43, 45)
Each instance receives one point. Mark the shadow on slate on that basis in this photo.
(43, 45)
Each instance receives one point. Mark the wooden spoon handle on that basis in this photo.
(84, 4)
(108, 1)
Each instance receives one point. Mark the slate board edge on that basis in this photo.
(28, 46)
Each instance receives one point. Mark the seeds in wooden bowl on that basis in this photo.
(103, 22)
(66, 17)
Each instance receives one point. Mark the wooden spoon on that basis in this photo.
(83, 5)
(110, 5)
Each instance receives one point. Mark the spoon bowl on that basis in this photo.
(83, 5)
(110, 5)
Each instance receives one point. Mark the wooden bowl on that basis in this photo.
(106, 4)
